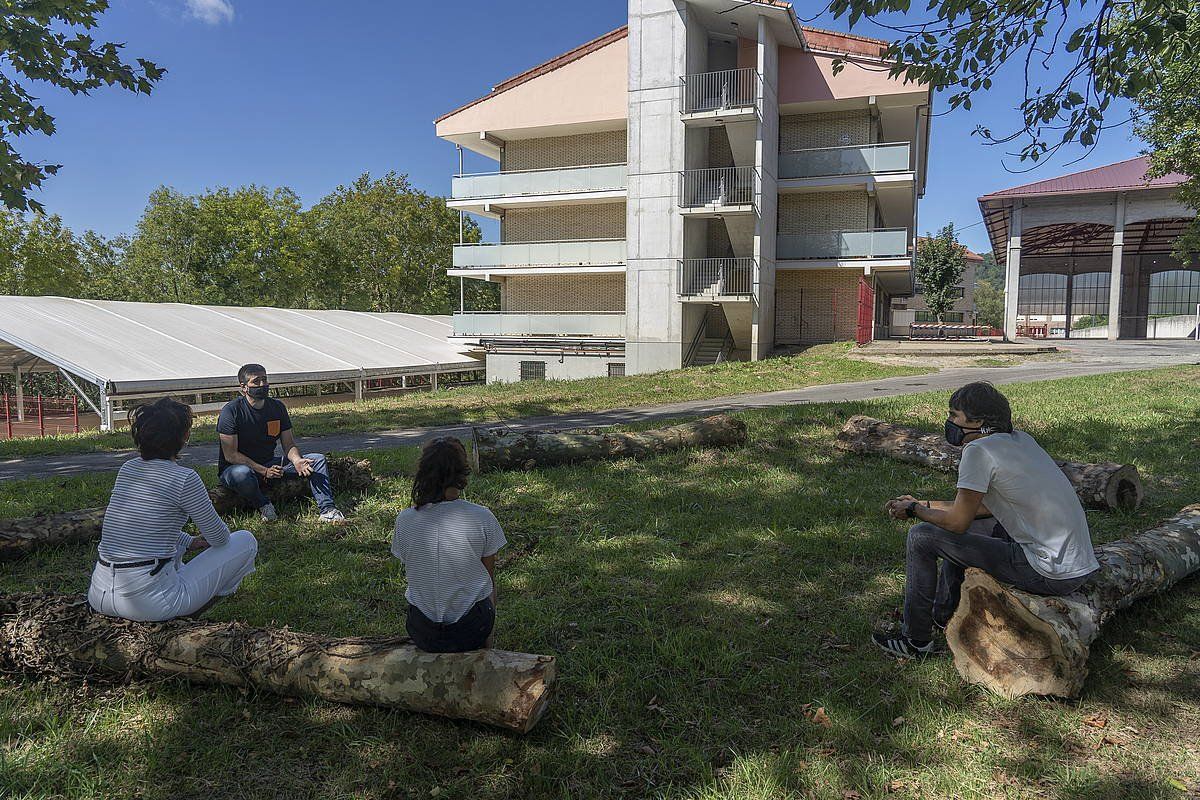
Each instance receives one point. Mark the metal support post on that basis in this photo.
(106, 410)
(434, 381)
(358, 391)
(20, 396)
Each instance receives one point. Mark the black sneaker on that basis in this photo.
(899, 646)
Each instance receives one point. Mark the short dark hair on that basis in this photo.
(250, 369)
(160, 428)
(443, 464)
(982, 401)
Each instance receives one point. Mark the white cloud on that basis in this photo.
(212, 12)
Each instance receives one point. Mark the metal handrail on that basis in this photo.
(726, 347)
(720, 90)
(718, 186)
(730, 276)
(691, 351)
(844, 147)
(539, 241)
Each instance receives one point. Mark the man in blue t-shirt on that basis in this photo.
(250, 427)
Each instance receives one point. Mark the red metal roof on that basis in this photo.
(1128, 174)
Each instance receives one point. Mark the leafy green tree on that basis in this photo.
(989, 305)
(381, 245)
(1170, 124)
(46, 41)
(49, 258)
(940, 264)
(102, 263)
(1076, 57)
(990, 272)
(162, 254)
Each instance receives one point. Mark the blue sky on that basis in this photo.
(310, 94)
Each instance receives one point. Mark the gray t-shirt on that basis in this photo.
(441, 545)
(1029, 495)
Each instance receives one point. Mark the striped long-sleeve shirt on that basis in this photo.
(150, 504)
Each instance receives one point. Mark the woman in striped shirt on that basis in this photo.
(140, 574)
(448, 547)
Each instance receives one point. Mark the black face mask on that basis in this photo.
(259, 392)
(955, 433)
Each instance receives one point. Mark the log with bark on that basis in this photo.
(19, 536)
(1016, 643)
(59, 636)
(498, 449)
(1106, 485)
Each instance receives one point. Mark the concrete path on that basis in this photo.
(1093, 358)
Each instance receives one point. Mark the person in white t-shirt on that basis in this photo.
(448, 547)
(1015, 516)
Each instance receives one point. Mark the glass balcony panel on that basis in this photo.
(542, 181)
(606, 324)
(584, 252)
(883, 243)
(854, 160)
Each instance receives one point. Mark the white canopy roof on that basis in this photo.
(134, 348)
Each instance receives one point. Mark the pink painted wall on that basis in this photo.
(593, 88)
(805, 77)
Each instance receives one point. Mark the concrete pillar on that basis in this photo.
(766, 161)
(106, 411)
(433, 381)
(403, 381)
(1114, 281)
(1070, 289)
(358, 391)
(1012, 271)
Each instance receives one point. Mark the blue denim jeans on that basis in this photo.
(244, 481)
(932, 594)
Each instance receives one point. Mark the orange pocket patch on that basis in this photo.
(273, 427)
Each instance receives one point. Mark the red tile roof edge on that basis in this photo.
(1031, 189)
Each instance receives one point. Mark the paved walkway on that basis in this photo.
(1095, 358)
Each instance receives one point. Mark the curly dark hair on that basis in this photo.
(160, 429)
(443, 464)
(983, 402)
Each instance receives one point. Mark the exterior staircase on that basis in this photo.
(709, 351)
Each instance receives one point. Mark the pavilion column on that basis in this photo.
(20, 393)
(1114, 281)
(106, 410)
(1012, 272)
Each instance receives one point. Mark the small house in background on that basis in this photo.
(907, 310)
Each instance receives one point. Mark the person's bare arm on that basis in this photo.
(956, 516)
(229, 448)
(288, 441)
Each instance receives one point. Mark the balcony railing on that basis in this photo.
(717, 277)
(583, 252)
(883, 243)
(606, 324)
(539, 181)
(719, 186)
(719, 91)
(864, 159)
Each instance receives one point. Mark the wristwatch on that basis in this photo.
(910, 511)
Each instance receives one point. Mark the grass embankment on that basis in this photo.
(818, 365)
(703, 606)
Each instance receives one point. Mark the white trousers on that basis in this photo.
(178, 589)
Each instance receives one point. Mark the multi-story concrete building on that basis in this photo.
(701, 184)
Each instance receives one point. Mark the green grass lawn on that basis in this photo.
(702, 606)
(817, 365)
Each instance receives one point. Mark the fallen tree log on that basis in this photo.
(59, 636)
(19, 536)
(1016, 643)
(498, 449)
(1106, 485)
(346, 475)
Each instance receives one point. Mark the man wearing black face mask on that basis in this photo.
(1015, 516)
(250, 428)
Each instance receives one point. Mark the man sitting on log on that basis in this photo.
(1015, 516)
(250, 427)
(448, 546)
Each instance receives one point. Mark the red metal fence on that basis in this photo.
(39, 413)
(866, 312)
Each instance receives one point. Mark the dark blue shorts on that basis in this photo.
(468, 633)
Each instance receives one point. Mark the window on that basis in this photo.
(616, 369)
(533, 370)
(952, 316)
(1176, 291)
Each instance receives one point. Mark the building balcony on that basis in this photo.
(717, 279)
(718, 190)
(889, 243)
(827, 162)
(484, 192)
(565, 254)
(500, 324)
(717, 97)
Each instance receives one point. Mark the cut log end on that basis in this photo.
(1000, 643)
(1125, 490)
